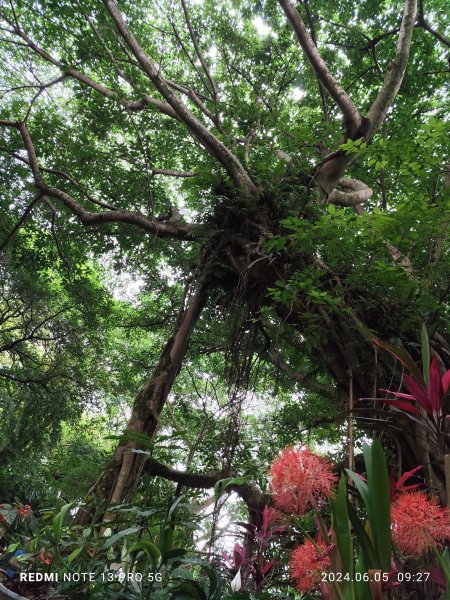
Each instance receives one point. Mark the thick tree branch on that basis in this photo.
(88, 218)
(206, 138)
(172, 173)
(396, 70)
(249, 492)
(333, 168)
(351, 116)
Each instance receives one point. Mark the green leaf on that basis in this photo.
(361, 486)
(222, 484)
(444, 562)
(175, 504)
(365, 543)
(149, 548)
(189, 590)
(166, 539)
(117, 536)
(362, 589)
(59, 519)
(174, 553)
(379, 494)
(72, 556)
(213, 579)
(341, 528)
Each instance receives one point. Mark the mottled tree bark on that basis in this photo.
(124, 469)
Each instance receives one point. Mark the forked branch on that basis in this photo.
(206, 138)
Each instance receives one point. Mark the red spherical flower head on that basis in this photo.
(308, 563)
(418, 523)
(299, 477)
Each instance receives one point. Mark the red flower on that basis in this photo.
(2, 518)
(24, 511)
(44, 559)
(418, 523)
(299, 477)
(308, 563)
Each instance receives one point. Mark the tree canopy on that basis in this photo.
(213, 218)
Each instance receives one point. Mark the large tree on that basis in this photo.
(287, 162)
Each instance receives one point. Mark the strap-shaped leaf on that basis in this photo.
(344, 540)
(117, 536)
(405, 358)
(425, 355)
(378, 483)
(365, 543)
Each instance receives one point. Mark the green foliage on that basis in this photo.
(297, 288)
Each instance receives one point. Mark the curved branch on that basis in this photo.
(88, 218)
(396, 70)
(332, 168)
(207, 139)
(351, 115)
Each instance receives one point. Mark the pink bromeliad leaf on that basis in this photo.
(400, 487)
(420, 394)
(405, 406)
(446, 381)
(267, 567)
(396, 487)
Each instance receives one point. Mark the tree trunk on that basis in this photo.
(122, 474)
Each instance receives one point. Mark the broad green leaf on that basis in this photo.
(118, 536)
(59, 519)
(379, 494)
(222, 484)
(149, 547)
(362, 589)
